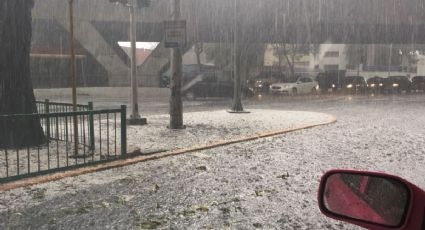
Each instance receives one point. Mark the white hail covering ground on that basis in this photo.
(202, 128)
(208, 127)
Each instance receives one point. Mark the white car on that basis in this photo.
(304, 85)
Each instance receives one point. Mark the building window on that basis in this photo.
(332, 54)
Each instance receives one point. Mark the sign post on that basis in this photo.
(175, 34)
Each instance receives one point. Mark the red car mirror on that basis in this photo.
(371, 200)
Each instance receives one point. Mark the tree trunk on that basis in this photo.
(291, 66)
(237, 102)
(198, 51)
(16, 92)
(176, 104)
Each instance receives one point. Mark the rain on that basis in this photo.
(210, 114)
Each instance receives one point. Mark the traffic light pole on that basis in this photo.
(135, 118)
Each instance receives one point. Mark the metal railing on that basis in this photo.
(102, 136)
(47, 107)
(58, 107)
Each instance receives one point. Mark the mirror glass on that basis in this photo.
(378, 200)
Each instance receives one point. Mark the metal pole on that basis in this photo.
(176, 105)
(91, 126)
(135, 118)
(73, 73)
(389, 61)
(123, 130)
(134, 103)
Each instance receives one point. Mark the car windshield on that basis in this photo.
(375, 80)
(289, 80)
(202, 114)
(419, 79)
(354, 79)
(398, 78)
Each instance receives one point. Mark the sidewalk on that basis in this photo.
(208, 128)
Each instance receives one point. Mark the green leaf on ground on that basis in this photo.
(151, 224)
(203, 209)
(202, 168)
(39, 193)
(284, 176)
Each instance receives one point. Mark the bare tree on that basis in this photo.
(199, 49)
(290, 53)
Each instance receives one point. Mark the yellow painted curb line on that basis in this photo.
(130, 161)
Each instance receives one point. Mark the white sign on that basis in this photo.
(143, 50)
(175, 33)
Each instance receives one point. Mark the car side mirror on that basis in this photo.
(370, 200)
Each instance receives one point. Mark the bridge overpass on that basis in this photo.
(100, 24)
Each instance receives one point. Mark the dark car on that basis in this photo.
(209, 85)
(375, 84)
(330, 81)
(397, 84)
(354, 84)
(261, 86)
(418, 83)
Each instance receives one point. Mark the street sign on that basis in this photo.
(175, 33)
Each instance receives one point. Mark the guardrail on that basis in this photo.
(102, 136)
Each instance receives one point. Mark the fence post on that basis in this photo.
(91, 126)
(123, 130)
(46, 110)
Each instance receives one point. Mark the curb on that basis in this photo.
(138, 159)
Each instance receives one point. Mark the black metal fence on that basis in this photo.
(58, 107)
(74, 139)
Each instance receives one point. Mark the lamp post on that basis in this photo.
(135, 118)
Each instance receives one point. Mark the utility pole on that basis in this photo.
(176, 104)
(390, 60)
(135, 118)
(237, 103)
(73, 73)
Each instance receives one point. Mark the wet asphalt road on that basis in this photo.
(269, 183)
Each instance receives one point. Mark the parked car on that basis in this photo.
(354, 84)
(330, 81)
(418, 83)
(397, 84)
(261, 86)
(164, 82)
(209, 85)
(303, 85)
(375, 84)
